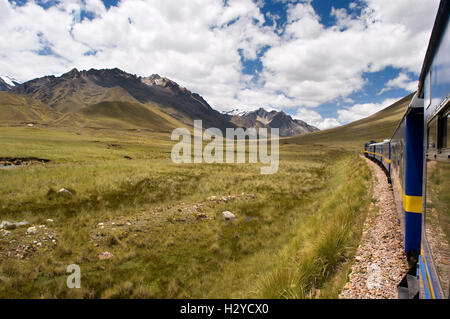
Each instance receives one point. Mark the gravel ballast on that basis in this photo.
(380, 262)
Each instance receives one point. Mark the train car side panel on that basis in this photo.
(434, 86)
(412, 200)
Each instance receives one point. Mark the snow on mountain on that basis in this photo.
(235, 112)
(9, 80)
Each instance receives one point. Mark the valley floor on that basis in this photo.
(140, 226)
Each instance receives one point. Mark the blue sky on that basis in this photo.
(326, 62)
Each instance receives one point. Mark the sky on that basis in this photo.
(325, 62)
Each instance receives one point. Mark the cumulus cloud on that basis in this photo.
(201, 44)
(314, 118)
(315, 64)
(345, 115)
(403, 81)
(359, 111)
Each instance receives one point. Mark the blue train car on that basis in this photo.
(380, 152)
(406, 176)
(419, 167)
(434, 87)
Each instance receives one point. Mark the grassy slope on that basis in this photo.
(131, 115)
(16, 109)
(293, 239)
(352, 136)
(68, 99)
(117, 110)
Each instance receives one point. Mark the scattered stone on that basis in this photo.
(105, 255)
(8, 225)
(21, 224)
(31, 230)
(227, 215)
(101, 224)
(6, 233)
(49, 220)
(64, 191)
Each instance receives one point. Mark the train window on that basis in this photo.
(437, 218)
(432, 135)
(428, 89)
(437, 196)
(444, 130)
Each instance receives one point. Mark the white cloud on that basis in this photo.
(314, 64)
(346, 115)
(359, 111)
(197, 44)
(314, 118)
(403, 81)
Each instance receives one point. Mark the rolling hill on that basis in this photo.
(377, 127)
(15, 109)
(129, 115)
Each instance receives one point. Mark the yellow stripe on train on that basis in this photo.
(412, 204)
(386, 159)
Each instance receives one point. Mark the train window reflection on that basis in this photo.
(432, 135)
(445, 131)
(437, 218)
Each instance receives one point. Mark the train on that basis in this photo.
(416, 160)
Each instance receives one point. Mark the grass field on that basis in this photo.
(294, 237)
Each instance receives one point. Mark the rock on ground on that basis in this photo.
(8, 225)
(105, 255)
(227, 215)
(380, 262)
(31, 230)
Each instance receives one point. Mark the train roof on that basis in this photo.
(436, 35)
(380, 143)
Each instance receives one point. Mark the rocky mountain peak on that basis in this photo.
(71, 74)
(156, 79)
(270, 119)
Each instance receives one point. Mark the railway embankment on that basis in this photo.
(380, 261)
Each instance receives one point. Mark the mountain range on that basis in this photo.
(112, 98)
(273, 119)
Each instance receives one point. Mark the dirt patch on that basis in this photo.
(380, 261)
(12, 162)
(148, 220)
(19, 243)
